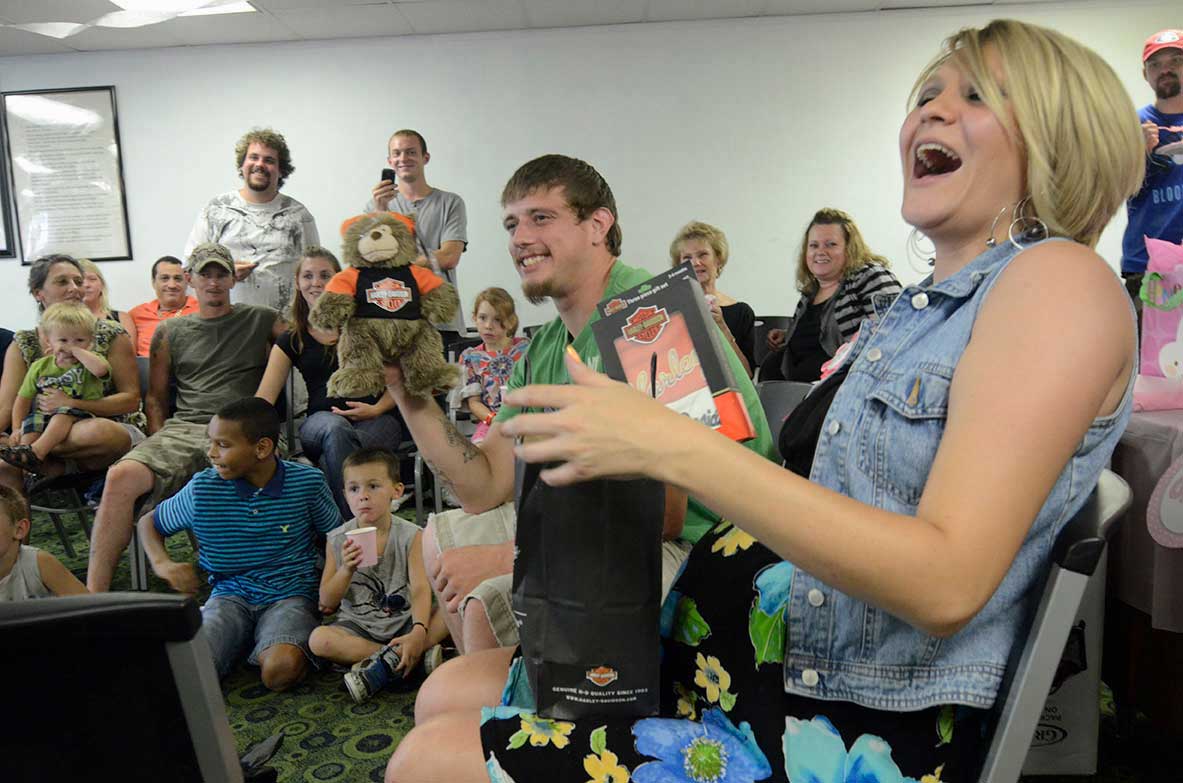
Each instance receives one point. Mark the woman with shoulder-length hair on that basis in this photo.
(838, 277)
(861, 619)
(119, 423)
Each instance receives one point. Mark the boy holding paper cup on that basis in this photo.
(255, 517)
(374, 579)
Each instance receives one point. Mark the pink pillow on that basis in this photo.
(1162, 330)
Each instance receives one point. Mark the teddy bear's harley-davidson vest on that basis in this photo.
(385, 292)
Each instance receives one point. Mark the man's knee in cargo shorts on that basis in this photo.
(484, 616)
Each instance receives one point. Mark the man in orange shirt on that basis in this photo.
(172, 299)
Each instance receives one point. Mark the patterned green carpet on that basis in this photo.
(326, 736)
(329, 738)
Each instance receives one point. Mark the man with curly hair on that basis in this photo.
(264, 230)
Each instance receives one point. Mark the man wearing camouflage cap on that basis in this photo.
(214, 356)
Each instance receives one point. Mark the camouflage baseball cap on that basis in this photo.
(210, 253)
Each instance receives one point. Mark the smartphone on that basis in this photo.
(388, 174)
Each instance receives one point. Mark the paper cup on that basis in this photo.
(367, 539)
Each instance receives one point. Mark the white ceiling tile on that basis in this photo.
(888, 5)
(353, 22)
(289, 5)
(228, 29)
(679, 10)
(464, 16)
(24, 11)
(98, 38)
(20, 42)
(790, 7)
(548, 13)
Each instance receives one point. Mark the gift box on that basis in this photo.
(660, 338)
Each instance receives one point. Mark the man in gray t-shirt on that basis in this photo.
(441, 224)
(265, 231)
(214, 356)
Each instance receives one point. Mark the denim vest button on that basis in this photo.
(874, 355)
(809, 678)
(816, 598)
(920, 301)
(834, 428)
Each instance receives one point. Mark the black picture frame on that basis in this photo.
(116, 246)
(8, 239)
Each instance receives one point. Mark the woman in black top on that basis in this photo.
(837, 275)
(335, 427)
(706, 247)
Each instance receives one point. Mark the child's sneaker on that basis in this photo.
(435, 657)
(372, 675)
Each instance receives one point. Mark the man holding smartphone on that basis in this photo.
(441, 223)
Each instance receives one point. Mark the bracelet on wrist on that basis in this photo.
(489, 419)
(421, 625)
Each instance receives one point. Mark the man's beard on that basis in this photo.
(537, 293)
(258, 188)
(1164, 89)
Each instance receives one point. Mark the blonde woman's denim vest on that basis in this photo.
(877, 445)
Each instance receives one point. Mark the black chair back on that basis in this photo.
(118, 686)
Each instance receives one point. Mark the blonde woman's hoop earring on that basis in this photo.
(990, 240)
(1028, 227)
(916, 251)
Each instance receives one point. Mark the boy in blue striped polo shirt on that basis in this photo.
(254, 517)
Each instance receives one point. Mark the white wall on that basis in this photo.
(748, 124)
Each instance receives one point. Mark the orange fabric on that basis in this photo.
(427, 280)
(146, 319)
(344, 282)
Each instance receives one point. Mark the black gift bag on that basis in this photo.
(587, 594)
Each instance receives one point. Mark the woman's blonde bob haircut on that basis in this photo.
(858, 254)
(1077, 128)
(705, 232)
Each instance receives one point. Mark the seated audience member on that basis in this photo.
(94, 293)
(335, 427)
(952, 454)
(838, 277)
(73, 369)
(706, 248)
(117, 425)
(214, 356)
(488, 367)
(571, 257)
(255, 518)
(172, 299)
(26, 571)
(383, 610)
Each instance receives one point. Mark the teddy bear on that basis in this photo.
(382, 304)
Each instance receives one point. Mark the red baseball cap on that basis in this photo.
(1163, 39)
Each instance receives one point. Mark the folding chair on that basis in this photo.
(40, 499)
(778, 398)
(763, 324)
(1032, 665)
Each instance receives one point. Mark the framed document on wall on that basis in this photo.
(7, 240)
(67, 173)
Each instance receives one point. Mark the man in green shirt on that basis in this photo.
(564, 240)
